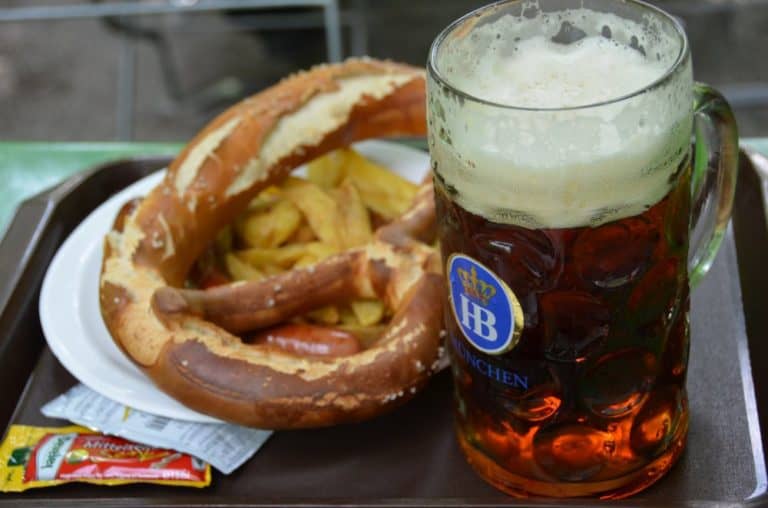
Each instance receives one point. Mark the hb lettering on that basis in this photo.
(479, 320)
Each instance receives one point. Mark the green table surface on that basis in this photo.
(28, 168)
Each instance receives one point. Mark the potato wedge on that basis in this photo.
(367, 335)
(305, 261)
(270, 270)
(266, 198)
(355, 220)
(321, 250)
(347, 317)
(383, 191)
(239, 269)
(328, 315)
(283, 257)
(367, 312)
(318, 207)
(316, 252)
(271, 228)
(303, 234)
(327, 171)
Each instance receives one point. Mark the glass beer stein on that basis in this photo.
(566, 189)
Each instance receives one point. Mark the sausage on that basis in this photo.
(309, 340)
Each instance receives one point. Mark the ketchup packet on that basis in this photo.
(33, 457)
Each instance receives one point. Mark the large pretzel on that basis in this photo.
(184, 339)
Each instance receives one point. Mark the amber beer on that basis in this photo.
(595, 390)
(560, 147)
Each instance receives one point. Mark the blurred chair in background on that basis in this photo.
(158, 22)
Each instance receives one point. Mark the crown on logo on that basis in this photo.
(474, 287)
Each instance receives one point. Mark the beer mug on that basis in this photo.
(565, 184)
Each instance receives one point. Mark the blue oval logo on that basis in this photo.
(486, 310)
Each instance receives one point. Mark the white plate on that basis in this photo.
(69, 309)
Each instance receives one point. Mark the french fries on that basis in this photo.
(383, 191)
(303, 221)
(367, 335)
(284, 257)
(240, 270)
(355, 221)
(367, 312)
(328, 315)
(271, 228)
(327, 171)
(319, 209)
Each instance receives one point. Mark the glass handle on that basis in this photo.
(715, 167)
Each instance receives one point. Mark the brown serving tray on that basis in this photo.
(410, 457)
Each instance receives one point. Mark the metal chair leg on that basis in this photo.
(126, 89)
(332, 30)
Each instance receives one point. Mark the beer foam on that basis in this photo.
(562, 151)
(540, 73)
